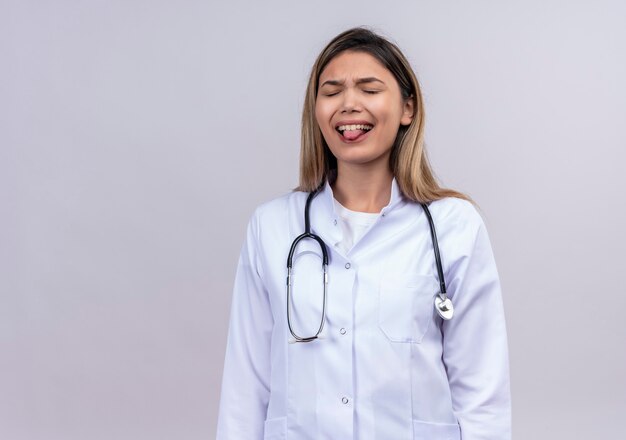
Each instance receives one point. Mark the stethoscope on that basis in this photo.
(443, 305)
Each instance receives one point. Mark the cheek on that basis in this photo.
(320, 114)
(323, 116)
(386, 110)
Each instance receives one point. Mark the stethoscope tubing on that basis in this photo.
(433, 236)
(307, 235)
(442, 304)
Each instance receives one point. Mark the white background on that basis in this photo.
(136, 138)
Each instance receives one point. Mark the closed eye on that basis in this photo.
(371, 92)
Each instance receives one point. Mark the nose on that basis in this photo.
(350, 101)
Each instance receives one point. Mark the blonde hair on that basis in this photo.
(408, 161)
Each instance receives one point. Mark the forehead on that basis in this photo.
(351, 64)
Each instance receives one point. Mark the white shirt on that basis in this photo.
(354, 224)
(387, 368)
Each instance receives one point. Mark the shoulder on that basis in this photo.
(452, 210)
(457, 221)
(279, 205)
(275, 213)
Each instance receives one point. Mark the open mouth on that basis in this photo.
(354, 131)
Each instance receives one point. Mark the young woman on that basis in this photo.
(367, 303)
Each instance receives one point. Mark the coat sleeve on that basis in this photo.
(475, 342)
(246, 378)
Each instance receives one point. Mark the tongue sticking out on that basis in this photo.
(352, 134)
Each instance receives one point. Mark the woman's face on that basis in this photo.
(359, 109)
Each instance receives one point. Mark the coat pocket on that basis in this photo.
(436, 431)
(275, 429)
(406, 307)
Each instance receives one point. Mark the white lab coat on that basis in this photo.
(388, 368)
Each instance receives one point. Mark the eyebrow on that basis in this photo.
(334, 82)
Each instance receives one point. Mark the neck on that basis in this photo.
(361, 189)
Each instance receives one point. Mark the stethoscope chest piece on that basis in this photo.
(444, 307)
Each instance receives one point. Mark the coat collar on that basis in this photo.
(325, 220)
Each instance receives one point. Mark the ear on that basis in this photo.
(408, 109)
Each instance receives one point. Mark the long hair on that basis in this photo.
(408, 160)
